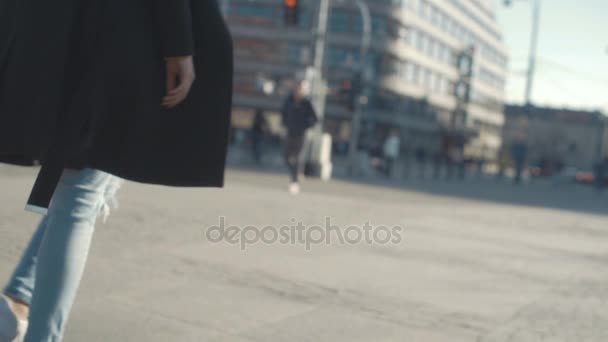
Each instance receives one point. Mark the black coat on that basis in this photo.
(81, 83)
(298, 116)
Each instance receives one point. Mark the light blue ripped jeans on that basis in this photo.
(50, 270)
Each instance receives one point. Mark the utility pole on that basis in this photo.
(533, 50)
(318, 146)
(536, 9)
(318, 85)
(361, 98)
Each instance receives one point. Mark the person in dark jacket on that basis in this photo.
(421, 161)
(258, 132)
(601, 173)
(100, 91)
(298, 116)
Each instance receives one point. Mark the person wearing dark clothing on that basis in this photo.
(391, 151)
(601, 174)
(298, 116)
(438, 160)
(258, 131)
(519, 153)
(99, 91)
(421, 161)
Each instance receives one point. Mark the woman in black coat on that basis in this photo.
(100, 89)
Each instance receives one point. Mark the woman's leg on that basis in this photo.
(21, 285)
(291, 159)
(63, 250)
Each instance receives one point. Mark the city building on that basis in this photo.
(414, 58)
(557, 137)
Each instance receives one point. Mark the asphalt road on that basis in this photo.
(478, 261)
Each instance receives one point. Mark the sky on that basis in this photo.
(572, 68)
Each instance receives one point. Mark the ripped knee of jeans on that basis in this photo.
(110, 200)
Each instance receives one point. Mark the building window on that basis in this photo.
(445, 90)
(427, 45)
(423, 8)
(427, 79)
(430, 81)
(439, 52)
(338, 22)
(402, 34)
(379, 25)
(431, 48)
(298, 54)
(415, 78)
(433, 15)
(413, 38)
(410, 77)
(446, 55)
(345, 58)
(257, 11)
(447, 22)
(423, 42)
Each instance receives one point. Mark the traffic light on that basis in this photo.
(292, 12)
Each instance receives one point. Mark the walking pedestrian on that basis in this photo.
(391, 151)
(519, 154)
(298, 116)
(137, 90)
(421, 161)
(601, 174)
(258, 131)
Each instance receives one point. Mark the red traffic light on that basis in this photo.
(291, 3)
(292, 12)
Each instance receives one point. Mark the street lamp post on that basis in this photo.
(533, 49)
(320, 44)
(318, 91)
(362, 98)
(530, 75)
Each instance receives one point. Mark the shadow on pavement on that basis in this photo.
(570, 197)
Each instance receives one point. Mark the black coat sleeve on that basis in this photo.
(284, 109)
(312, 115)
(174, 19)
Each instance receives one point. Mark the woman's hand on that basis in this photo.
(180, 76)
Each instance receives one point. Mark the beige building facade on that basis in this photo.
(413, 59)
(557, 136)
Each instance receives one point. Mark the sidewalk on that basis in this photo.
(466, 270)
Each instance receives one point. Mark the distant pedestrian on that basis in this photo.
(391, 151)
(480, 163)
(519, 153)
(601, 174)
(258, 132)
(421, 162)
(458, 159)
(438, 159)
(503, 164)
(298, 116)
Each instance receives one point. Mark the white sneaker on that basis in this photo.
(12, 329)
(294, 188)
